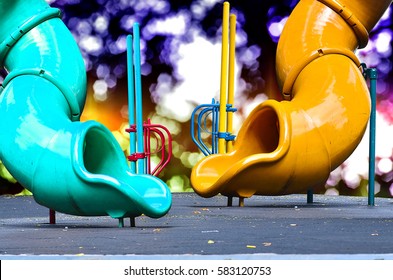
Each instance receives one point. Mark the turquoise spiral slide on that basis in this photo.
(73, 167)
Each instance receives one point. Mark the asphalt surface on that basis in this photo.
(279, 227)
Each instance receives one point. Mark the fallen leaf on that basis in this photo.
(251, 246)
(267, 244)
(210, 242)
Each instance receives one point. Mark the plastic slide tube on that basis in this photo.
(70, 166)
(293, 145)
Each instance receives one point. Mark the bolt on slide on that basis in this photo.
(70, 166)
(293, 145)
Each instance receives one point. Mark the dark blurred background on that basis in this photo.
(181, 52)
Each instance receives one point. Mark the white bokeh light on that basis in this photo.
(100, 90)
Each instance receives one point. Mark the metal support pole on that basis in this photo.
(131, 98)
(121, 222)
(230, 201)
(224, 78)
(241, 201)
(231, 77)
(372, 75)
(138, 99)
(132, 221)
(52, 216)
(310, 196)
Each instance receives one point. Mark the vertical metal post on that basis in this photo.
(215, 120)
(372, 75)
(131, 98)
(132, 221)
(52, 216)
(231, 76)
(310, 196)
(138, 98)
(147, 134)
(224, 79)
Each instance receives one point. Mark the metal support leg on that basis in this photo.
(121, 223)
(230, 201)
(310, 196)
(132, 221)
(52, 216)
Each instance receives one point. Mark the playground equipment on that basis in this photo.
(292, 146)
(69, 166)
(220, 114)
(141, 134)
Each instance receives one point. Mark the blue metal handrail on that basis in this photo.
(200, 115)
(202, 112)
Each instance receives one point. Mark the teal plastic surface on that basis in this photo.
(72, 167)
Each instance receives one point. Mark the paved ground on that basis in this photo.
(266, 227)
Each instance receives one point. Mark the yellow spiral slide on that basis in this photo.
(293, 145)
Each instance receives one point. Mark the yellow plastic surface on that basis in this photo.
(293, 145)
